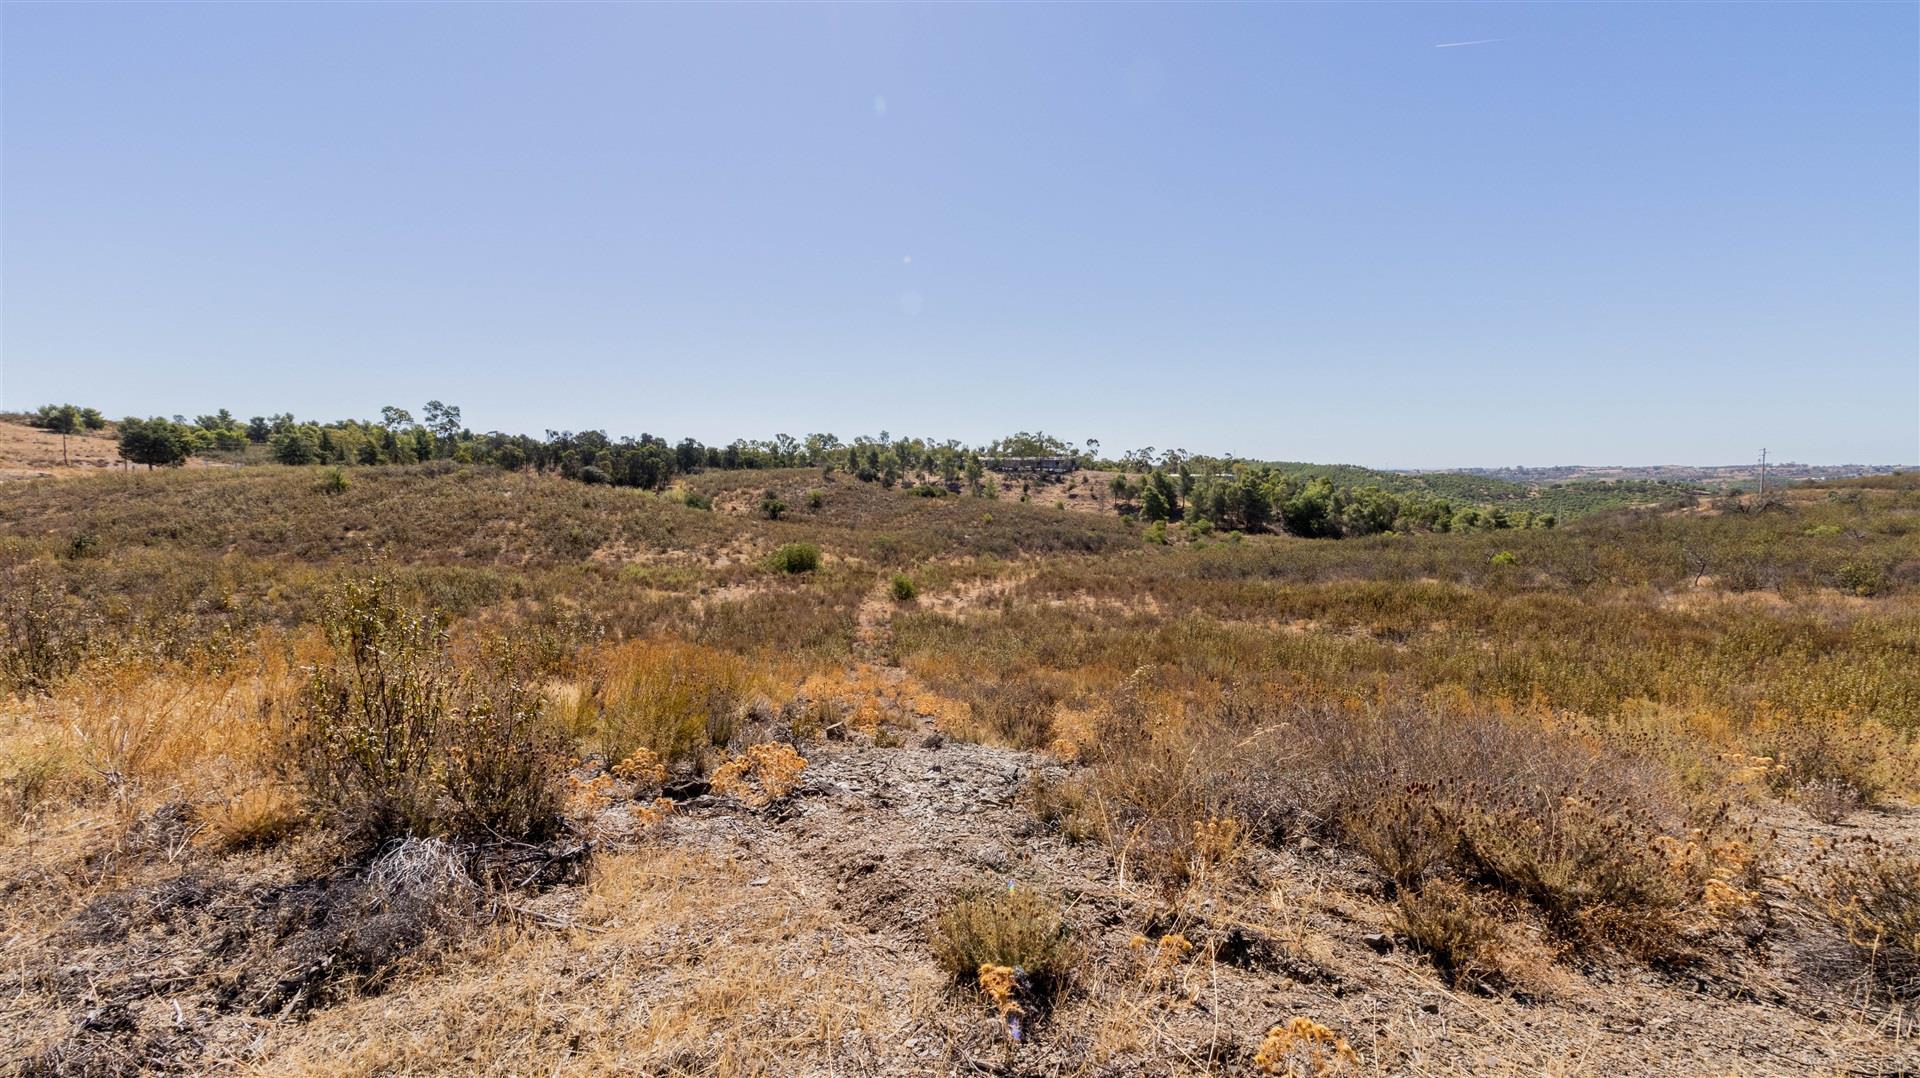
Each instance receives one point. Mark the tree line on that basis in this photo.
(1256, 497)
(1160, 488)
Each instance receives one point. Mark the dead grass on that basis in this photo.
(1262, 751)
(674, 964)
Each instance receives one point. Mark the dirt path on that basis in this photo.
(873, 628)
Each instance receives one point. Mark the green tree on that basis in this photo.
(63, 420)
(297, 445)
(1153, 504)
(155, 442)
(1158, 500)
(443, 420)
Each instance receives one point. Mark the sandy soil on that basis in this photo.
(30, 453)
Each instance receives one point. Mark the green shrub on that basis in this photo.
(795, 558)
(1505, 557)
(1863, 578)
(335, 481)
(903, 588)
(771, 506)
(816, 499)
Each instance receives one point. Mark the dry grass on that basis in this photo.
(221, 761)
(1870, 894)
(674, 965)
(680, 702)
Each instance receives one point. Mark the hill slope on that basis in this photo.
(1562, 810)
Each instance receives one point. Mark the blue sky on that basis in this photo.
(1616, 234)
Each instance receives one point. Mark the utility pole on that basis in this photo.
(1763, 471)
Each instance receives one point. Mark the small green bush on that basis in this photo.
(334, 481)
(816, 499)
(1863, 578)
(903, 588)
(795, 558)
(771, 506)
(1505, 557)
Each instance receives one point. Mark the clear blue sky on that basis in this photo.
(1617, 234)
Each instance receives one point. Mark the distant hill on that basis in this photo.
(1710, 475)
(1484, 487)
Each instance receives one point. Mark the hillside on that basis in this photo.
(29, 453)
(657, 793)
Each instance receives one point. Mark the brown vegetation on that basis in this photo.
(455, 768)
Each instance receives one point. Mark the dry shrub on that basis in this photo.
(45, 631)
(259, 815)
(644, 768)
(1014, 926)
(1017, 711)
(1450, 925)
(1302, 1046)
(866, 699)
(1159, 813)
(762, 775)
(1159, 957)
(1601, 872)
(1843, 755)
(393, 738)
(675, 700)
(1219, 844)
(1061, 803)
(1608, 850)
(1405, 834)
(1829, 801)
(1870, 893)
